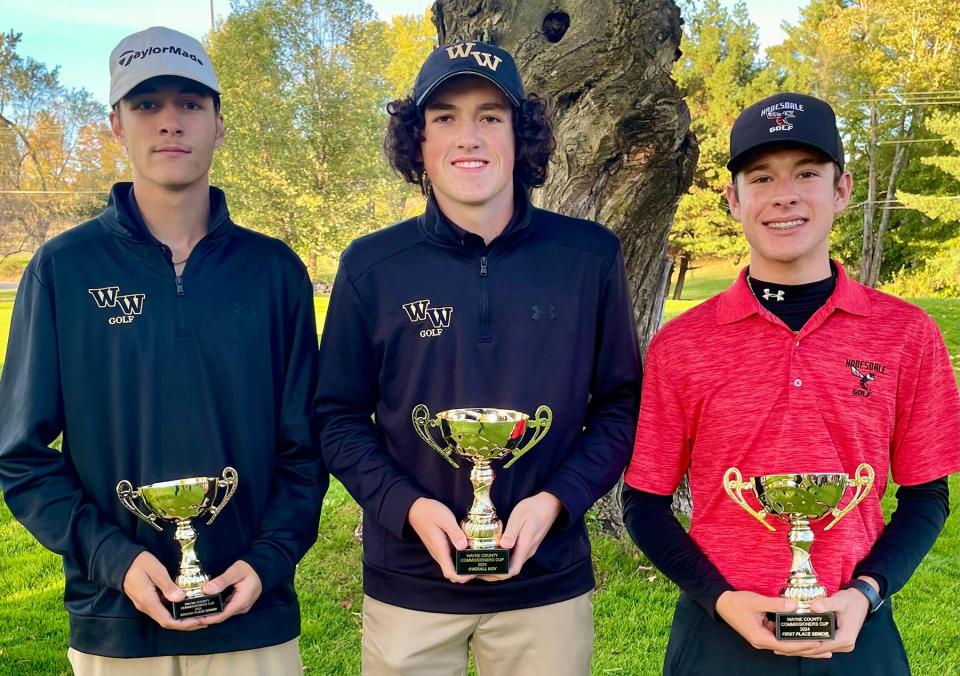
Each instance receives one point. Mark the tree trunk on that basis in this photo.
(870, 207)
(870, 270)
(681, 276)
(625, 153)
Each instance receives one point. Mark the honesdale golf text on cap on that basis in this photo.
(158, 51)
(785, 118)
(469, 58)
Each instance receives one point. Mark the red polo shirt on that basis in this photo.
(727, 384)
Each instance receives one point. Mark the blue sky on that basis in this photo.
(78, 36)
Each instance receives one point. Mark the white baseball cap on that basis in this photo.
(158, 51)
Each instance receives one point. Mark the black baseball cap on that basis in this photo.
(469, 58)
(785, 118)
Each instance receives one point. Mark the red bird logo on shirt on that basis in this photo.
(864, 379)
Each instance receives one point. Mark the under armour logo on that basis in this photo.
(548, 311)
(768, 295)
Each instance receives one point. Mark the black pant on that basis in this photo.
(702, 646)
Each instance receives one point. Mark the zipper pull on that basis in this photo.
(483, 266)
(179, 285)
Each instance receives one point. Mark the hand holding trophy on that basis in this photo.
(482, 435)
(797, 499)
(180, 501)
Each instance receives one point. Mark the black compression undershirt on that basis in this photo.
(794, 304)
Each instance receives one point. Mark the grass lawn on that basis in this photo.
(633, 604)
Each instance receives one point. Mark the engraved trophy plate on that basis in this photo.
(179, 502)
(482, 435)
(798, 499)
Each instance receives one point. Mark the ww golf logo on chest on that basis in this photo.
(130, 305)
(419, 311)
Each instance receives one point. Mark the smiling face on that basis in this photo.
(170, 128)
(468, 147)
(786, 199)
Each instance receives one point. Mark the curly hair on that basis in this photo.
(532, 134)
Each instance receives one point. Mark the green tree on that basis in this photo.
(720, 75)
(938, 274)
(880, 63)
(304, 85)
(886, 60)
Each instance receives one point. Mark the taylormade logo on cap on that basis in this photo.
(130, 55)
(154, 52)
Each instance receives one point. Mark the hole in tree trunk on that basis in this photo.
(555, 25)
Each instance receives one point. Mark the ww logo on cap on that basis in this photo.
(465, 49)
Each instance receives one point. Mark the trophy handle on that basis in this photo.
(734, 485)
(540, 423)
(422, 424)
(230, 481)
(863, 481)
(128, 498)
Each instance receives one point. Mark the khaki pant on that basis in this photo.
(275, 660)
(555, 639)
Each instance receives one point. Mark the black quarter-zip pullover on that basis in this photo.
(153, 376)
(423, 313)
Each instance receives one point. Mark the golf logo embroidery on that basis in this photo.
(865, 372)
(420, 310)
(782, 114)
(109, 297)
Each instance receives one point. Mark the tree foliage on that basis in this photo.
(57, 156)
(939, 274)
(304, 84)
(720, 75)
(885, 66)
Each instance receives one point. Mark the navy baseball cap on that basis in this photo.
(469, 58)
(785, 118)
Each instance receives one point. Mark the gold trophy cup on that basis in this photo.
(797, 499)
(482, 435)
(180, 501)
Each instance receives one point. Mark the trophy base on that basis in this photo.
(197, 607)
(482, 561)
(805, 626)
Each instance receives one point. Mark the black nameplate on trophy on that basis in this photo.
(482, 561)
(806, 626)
(197, 607)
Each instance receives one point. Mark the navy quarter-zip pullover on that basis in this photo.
(424, 312)
(153, 376)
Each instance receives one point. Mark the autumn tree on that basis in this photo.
(57, 156)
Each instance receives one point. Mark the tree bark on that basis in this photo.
(625, 153)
